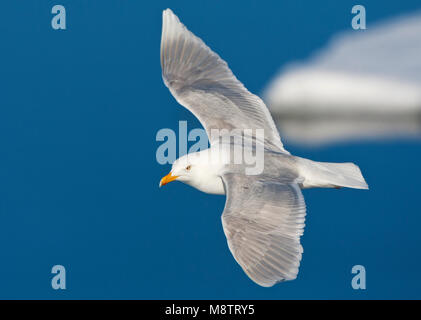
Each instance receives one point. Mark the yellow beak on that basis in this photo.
(167, 179)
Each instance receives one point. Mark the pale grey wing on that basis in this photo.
(263, 222)
(203, 83)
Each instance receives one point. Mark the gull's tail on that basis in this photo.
(330, 175)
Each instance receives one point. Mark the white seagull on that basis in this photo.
(264, 213)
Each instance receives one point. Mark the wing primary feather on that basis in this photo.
(263, 226)
(203, 83)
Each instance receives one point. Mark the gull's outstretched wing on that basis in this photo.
(263, 221)
(203, 83)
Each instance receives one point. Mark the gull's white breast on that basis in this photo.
(210, 184)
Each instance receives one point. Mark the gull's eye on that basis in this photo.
(188, 167)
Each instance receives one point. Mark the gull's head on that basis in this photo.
(183, 169)
(200, 170)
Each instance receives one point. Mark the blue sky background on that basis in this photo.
(79, 111)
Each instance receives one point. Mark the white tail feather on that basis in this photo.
(330, 175)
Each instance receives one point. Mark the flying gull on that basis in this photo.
(264, 213)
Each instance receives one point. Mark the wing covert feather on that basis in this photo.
(203, 83)
(263, 222)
